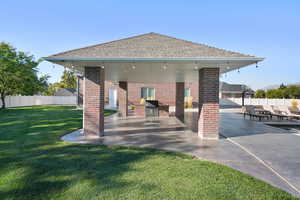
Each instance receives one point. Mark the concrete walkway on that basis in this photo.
(267, 153)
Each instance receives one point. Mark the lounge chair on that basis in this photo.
(246, 110)
(262, 110)
(288, 113)
(259, 107)
(250, 110)
(274, 111)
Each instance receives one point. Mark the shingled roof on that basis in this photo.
(236, 88)
(150, 45)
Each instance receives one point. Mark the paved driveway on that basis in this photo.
(268, 153)
(277, 148)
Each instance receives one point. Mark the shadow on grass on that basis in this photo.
(49, 166)
(35, 164)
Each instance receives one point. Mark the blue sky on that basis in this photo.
(269, 29)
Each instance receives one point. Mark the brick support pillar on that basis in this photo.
(93, 101)
(79, 91)
(123, 98)
(179, 109)
(208, 124)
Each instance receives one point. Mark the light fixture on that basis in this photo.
(164, 67)
(133, 66)
(102, 66)
(227, 67)
(196, 67)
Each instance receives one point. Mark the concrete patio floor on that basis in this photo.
(265, 152)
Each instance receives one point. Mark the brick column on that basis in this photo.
(93, 101)
(79, 91)
(208, 124)
(123, 98)
(179, 105)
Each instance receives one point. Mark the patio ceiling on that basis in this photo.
(155, 70)
(152, 58)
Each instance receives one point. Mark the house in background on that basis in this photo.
(65, 92)
(234, 91)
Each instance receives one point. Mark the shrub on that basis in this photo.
(260, 94)
(294, 104)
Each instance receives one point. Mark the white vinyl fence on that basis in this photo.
(254, 101)
(17, 101)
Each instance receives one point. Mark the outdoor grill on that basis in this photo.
(151, 108)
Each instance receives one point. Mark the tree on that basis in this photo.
(260, 94)
(68, 80)
(293, 91)
(282, 86)
(18, 73)
(275, 94)
(52, 88)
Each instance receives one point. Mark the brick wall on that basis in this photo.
(208, 124)
(164, 92)
(179, 109)
(123, 98)
(93, 112)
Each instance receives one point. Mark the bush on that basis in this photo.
(294, 104)
(260, 94)
(288, 92)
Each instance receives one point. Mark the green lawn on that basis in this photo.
(35, 164)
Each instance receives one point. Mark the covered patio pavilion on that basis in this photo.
(152, 58)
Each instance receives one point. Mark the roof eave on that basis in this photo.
(255, 59)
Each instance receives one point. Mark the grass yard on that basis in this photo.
(35, 164)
